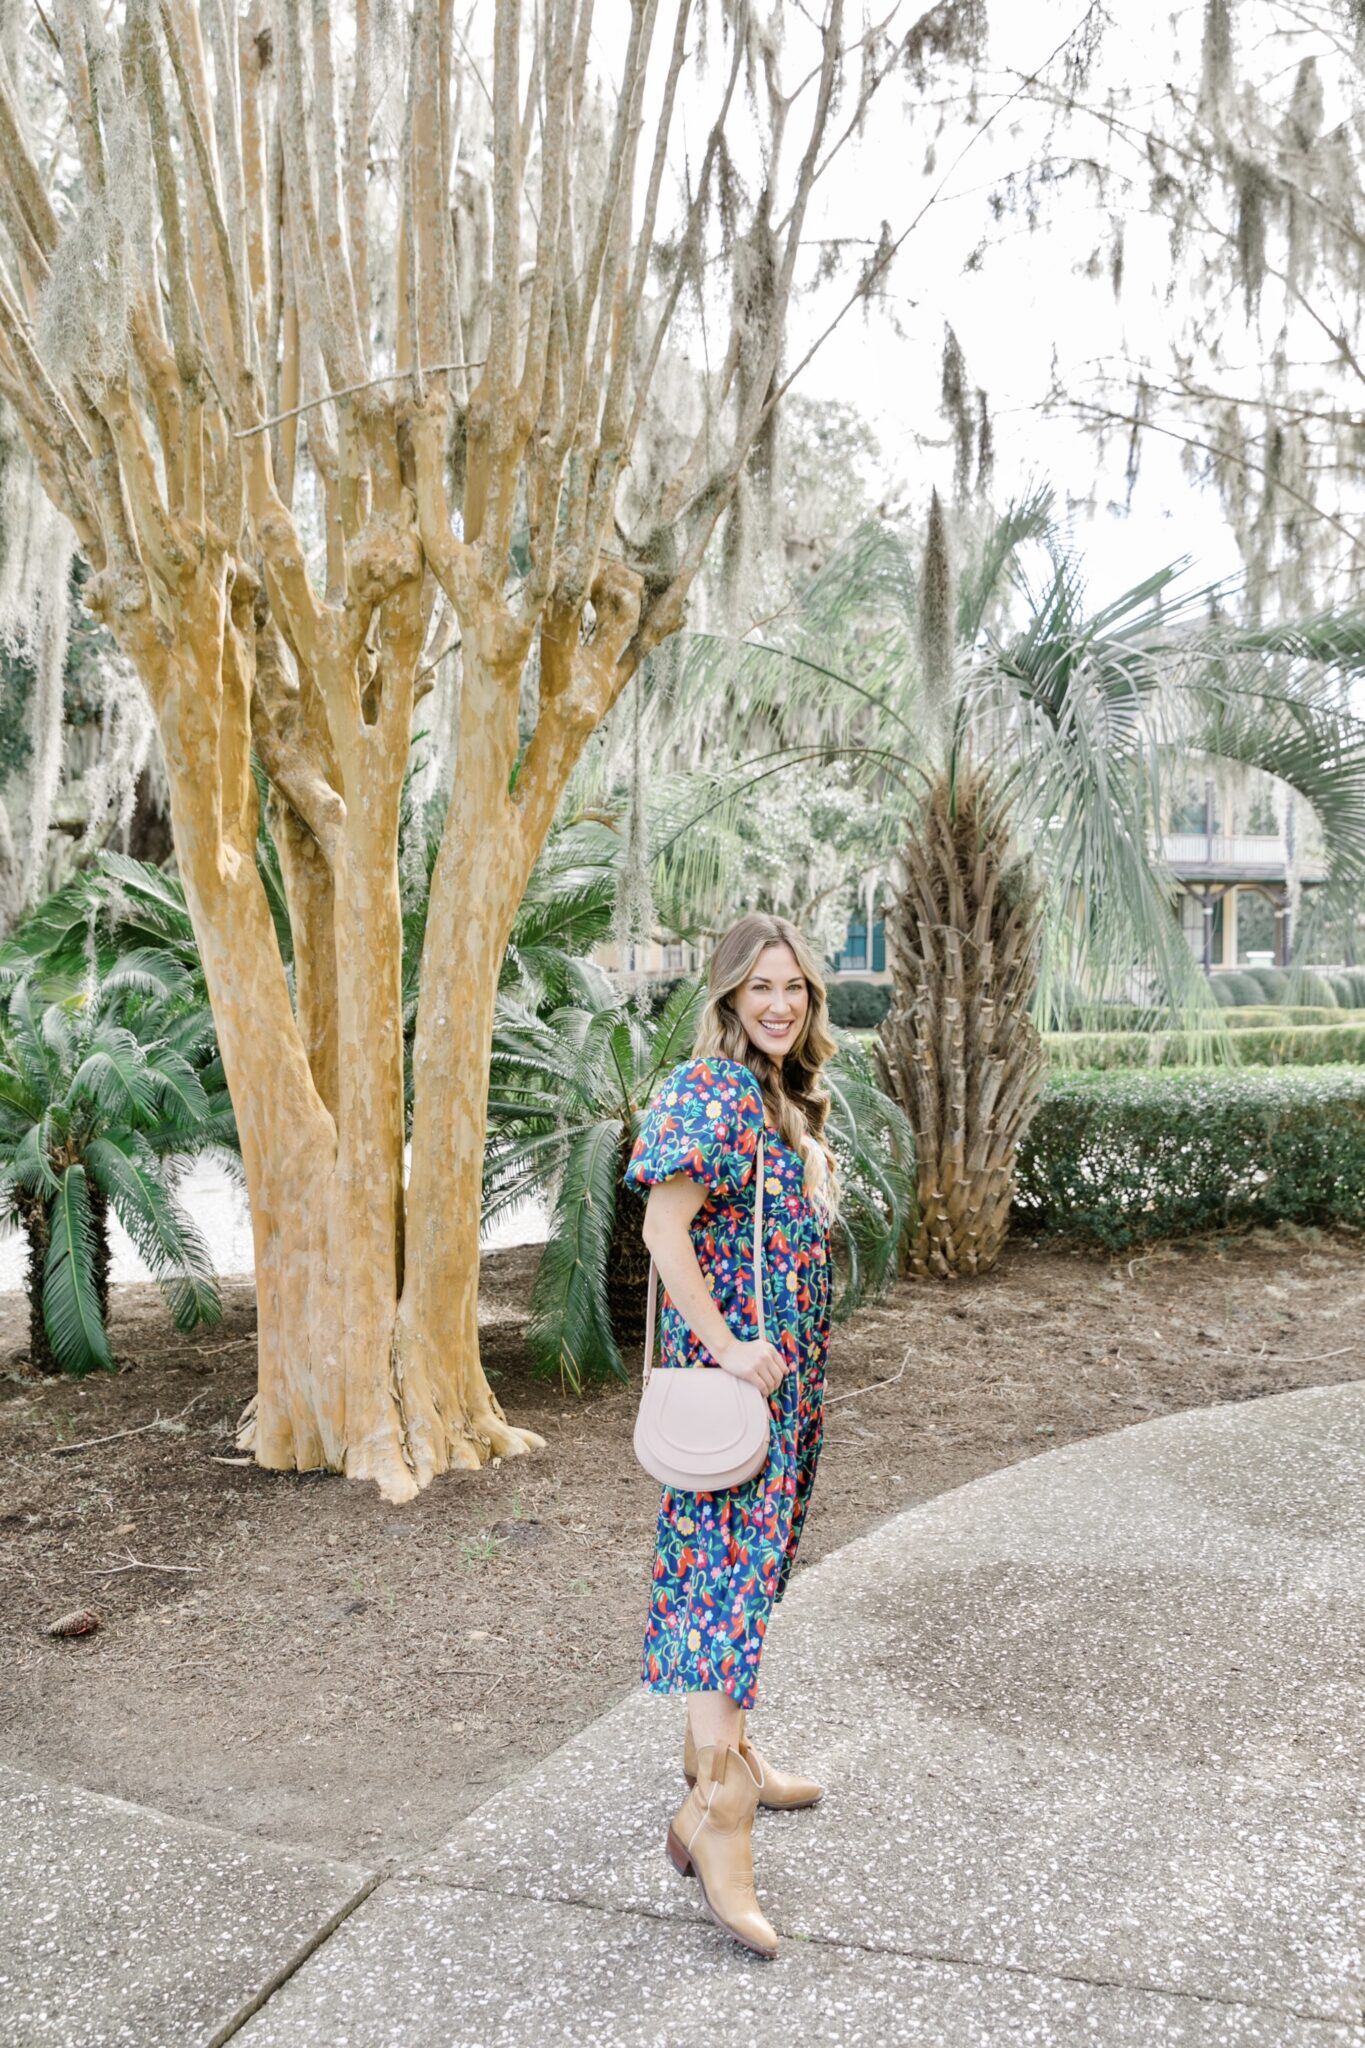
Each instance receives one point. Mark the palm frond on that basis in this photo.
(674, 1030)
(178, 1089)
(146, 971)
(150, 903)
(872, 1139)
(170, 1243)
(115, 1074)
(569, 1332)
(30, 1052)
(71, 1310)
(29, 1159)
(1300, 736)
(1027, 518)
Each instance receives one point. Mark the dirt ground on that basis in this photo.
(305, 1663)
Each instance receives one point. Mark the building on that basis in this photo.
(1235, 867)
(650, 960)
(1236, 887)
(1235, 879)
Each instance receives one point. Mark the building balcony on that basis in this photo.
(1235, 857)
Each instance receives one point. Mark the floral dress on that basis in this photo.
(723, 1559)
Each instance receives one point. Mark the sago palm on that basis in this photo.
(567, 1094)
(103, 1098)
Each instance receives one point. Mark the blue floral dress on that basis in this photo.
(723, 1559)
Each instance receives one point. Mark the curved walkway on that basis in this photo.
(1092, 1730)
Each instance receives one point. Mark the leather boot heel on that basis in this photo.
(678, 1856)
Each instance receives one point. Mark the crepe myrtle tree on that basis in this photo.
(333, 332)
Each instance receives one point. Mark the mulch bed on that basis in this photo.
(327, 1669)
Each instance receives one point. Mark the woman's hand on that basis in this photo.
(761, 1362)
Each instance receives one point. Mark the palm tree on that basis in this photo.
(1024, 768)
(568, 1090)
(105, 1093)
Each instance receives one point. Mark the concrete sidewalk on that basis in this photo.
(1092, 1730)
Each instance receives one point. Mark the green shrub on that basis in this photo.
(1274, 1016)
(1245, 987)
(1308, 1045)
(1343, 987)
(1272, 1045)
(1121, 1158)
(1222, 991)
(1273, 982)
(1307, 986)
(1356, 977)
(1079, 1015)
(858, 1005)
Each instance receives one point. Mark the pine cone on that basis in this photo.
(82, 1621)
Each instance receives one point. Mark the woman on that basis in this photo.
(723, 1559)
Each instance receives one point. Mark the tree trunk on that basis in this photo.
(249, 299)
(346, 1380)
(37, 1231)
(958, 1047)
(477, 885)
(627, 1263)
(99, 1221)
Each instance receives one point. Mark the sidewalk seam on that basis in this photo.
(872, 1948)
(295, 1962)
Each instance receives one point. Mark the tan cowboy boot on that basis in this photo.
(781, 1790)
(711, 1834)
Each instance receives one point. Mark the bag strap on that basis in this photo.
(758, 1271)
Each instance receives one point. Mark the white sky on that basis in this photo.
(1026, 302)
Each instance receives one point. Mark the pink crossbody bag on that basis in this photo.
(700, 1429)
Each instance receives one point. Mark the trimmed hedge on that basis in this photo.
(1256, 989)
(1269, 1046)
(1243, 1017)
(1314, 988)
(1245, 988)
(1120, 1159)
(858, 1005)
(1274, 1016)
(1305, 986)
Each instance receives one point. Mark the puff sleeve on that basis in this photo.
(705, 1121)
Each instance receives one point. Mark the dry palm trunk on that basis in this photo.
(37, 1229)
(958, 1048)
(627, 1261)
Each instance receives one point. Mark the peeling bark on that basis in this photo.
(246, 282)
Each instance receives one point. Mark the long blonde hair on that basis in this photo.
(796, 1104)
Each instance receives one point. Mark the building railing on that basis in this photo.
(1258, 850)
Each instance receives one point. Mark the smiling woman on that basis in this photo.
(723, 1559)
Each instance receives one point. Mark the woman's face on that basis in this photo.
(772, 1003)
